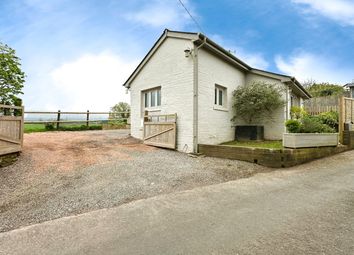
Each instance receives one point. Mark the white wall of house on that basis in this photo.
(214, 125)
(169, 69)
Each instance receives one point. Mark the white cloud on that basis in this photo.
(309, 66)
(92, 81)
(253, 59)
(162, 13)
(341, 11)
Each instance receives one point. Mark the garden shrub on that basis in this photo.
(313, 124)
(49, 126)
(297, 112)
(323, 123)
(256, 101)
(330, 118)
(293, 126)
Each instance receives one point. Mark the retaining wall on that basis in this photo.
(270, 157)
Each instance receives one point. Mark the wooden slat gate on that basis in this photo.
(160, 130)
(11, 129)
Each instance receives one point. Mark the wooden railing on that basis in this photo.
(58, 119)
(11, 128)
(317, 105)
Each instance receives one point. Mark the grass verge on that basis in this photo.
(31, 128)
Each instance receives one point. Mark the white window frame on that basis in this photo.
(217, 104)
(151, 98)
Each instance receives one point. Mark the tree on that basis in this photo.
(121, 110)
(11, 76)
(256, 101)
(324, 89)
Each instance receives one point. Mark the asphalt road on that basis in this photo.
(305, 210)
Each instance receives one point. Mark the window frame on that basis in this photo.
(151, 98)
(220, 94)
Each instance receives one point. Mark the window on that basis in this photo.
(220, 96)
(152, 98)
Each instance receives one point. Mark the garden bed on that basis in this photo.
(256, 144)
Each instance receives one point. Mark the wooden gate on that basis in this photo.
(11, 129)
(160, 130)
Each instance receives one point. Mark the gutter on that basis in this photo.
(195, 91)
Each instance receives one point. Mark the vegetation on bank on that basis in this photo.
(256, 144)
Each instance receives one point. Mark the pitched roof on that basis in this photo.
(198, 39)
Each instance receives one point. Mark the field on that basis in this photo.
(31, 128)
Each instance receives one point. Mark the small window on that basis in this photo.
(152, 98)
(220, 96)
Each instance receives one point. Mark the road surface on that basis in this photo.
(305, 210)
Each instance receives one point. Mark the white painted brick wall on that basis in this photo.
(215, 126)
(170, 69)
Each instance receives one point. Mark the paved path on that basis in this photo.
(306, 210)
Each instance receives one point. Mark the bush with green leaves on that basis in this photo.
(256, 101)
(49, 126)
(312, 124)
(293, 126)
(297, 112)
(330, 118)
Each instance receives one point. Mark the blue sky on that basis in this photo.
(77, 53)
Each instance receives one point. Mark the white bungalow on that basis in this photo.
(189, 74)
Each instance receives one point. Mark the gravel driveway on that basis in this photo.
(66, 173)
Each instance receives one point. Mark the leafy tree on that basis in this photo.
(121, 110)
(256, 101)
(11, 76)
(324, 89)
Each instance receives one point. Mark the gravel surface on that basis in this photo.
(66, 173)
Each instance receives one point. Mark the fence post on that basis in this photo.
(341, 118)
(58, 119)
(87, 118)
(22, 129)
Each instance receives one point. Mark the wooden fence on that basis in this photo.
(343, 105)
(11, 129)
(317, 105)
(111, 116)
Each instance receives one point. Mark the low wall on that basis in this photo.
(270, 157)
(348, 138)
(8, 159)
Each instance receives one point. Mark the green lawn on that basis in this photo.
(256, 144)
(30, 128)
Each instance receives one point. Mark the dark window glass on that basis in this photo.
(146, 99)
(220, 97)
(216, 96)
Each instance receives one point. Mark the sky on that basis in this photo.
(78, 53)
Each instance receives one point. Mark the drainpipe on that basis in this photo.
(195, 93)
